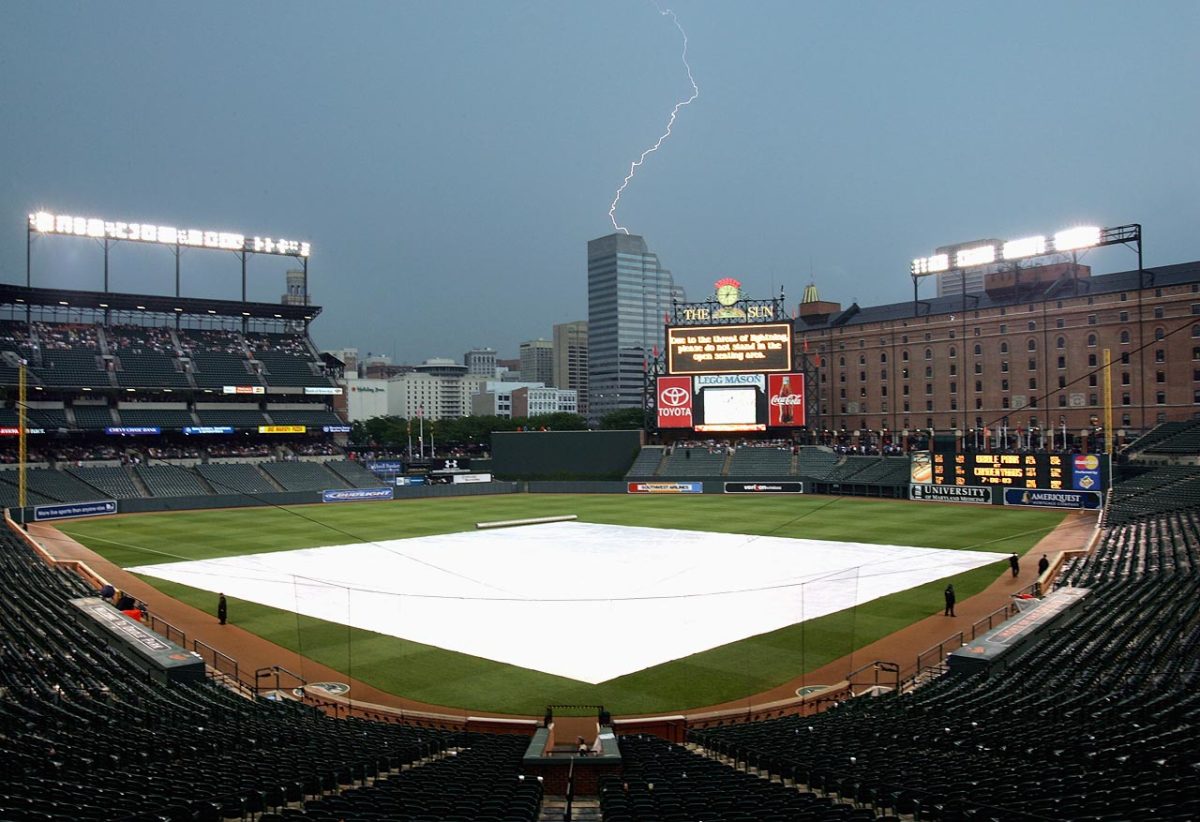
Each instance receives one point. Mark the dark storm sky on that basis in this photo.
(449, 161)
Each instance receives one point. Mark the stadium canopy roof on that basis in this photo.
(100, 300)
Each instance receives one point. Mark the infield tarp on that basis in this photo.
(584, 601)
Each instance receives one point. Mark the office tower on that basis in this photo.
(629, 295)
(537, 361)
(571, 360)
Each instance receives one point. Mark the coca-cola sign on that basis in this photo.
(785, 400)
(674, 402)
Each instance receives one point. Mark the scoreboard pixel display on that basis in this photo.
(1046, 471)
(729, 349)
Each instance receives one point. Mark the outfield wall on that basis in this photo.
(584, 487)
(550, 454)
(148, 505)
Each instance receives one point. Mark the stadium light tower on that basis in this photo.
(109, 231)
(1069, 240)
(1073, 240)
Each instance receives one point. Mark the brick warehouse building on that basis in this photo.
(1024, 354)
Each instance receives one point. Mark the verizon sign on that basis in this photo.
(785, 400)
(674, 402)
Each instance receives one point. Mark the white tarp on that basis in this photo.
(579, 600)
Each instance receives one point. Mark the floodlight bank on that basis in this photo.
(509, 523)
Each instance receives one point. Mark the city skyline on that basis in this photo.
(448, 163)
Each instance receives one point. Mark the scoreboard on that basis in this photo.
(729, 349)
(1047, 471)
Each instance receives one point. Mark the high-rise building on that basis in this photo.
(628, 295)
(537, 361)
(481, 362)
(436, 389)
(571, 359)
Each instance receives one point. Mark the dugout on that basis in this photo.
(564, 455)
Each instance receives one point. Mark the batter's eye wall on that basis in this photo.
(563, 454)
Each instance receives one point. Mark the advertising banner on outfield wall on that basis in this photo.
(410, 480)
(674, 402)
(356, 494)
(666, 488)
(472, 478)
(977, 494)
(764, 488)
(70, 510)
(1046, 498)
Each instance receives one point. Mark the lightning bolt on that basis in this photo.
(633, 167)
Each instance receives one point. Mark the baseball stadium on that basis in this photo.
(744, 609)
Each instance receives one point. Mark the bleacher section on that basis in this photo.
(1096, 722)
(172, 418)
(93, 417)
(693, 462)
(219, 358)
(229, 478)
(150, 370)
(884, 471)
(1162, 435)
(750, 461)
(236, 417)
(761, 462)
(304, 476)
(286, 360)
(83, 739)
(53, 486)
(313, 419)
(72, 368)
(68, 355)
(14, 337)
(112, 482)
(1186, 441)
(171, 481)
(1159, 490)
(354, 474)
(849, 469)
(662, 781)
(646, 463)
(10, 496)
(816, 462)
(50, 419)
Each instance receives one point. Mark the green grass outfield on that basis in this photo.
(456, 680)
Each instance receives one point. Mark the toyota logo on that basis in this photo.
(675, 396)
